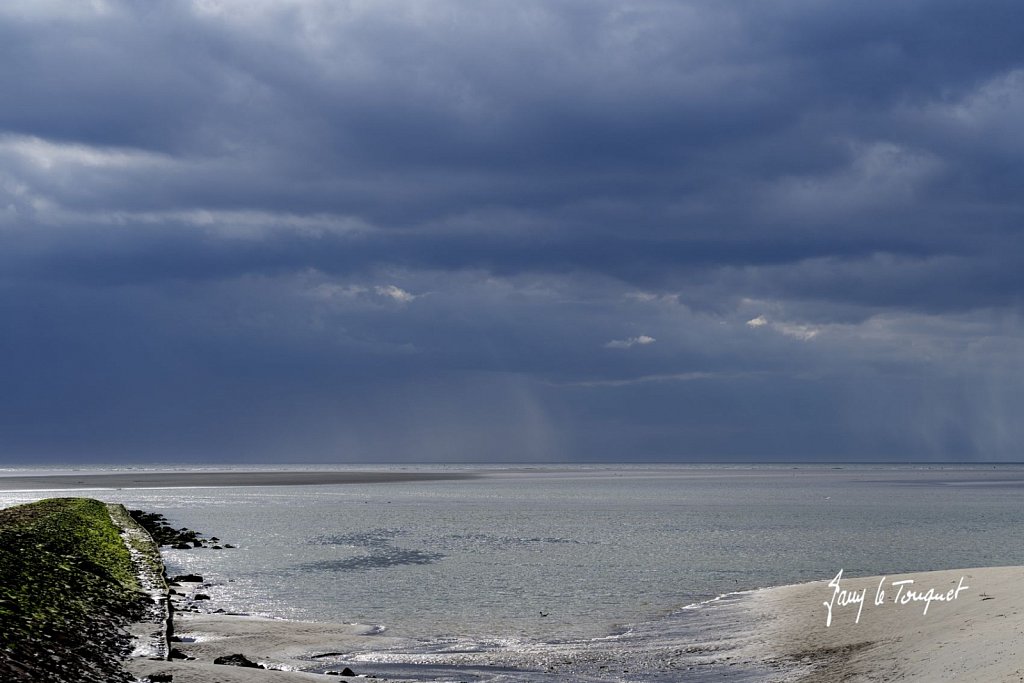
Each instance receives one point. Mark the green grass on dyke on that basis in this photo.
(60, 560)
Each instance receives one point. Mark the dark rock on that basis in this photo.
(201, 596)
(347, 672)
(217, 547)
(228, 545)
(163, 533)
(178, 654)
(160, 678)
(237, 660)
(190, 578)
(182, 546)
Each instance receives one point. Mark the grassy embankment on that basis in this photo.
(67, 587)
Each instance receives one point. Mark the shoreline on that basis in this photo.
(776, 634)
(152, 480)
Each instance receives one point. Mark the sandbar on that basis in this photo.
(134, 480)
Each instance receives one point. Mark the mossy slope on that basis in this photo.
(67, 587)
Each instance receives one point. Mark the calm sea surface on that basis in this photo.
(524, 568)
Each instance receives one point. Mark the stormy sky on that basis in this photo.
(478, 231)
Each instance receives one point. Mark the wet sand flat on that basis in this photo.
(129, 480)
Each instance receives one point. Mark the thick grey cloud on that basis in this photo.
(394, 231)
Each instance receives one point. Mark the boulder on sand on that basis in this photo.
(237, 660)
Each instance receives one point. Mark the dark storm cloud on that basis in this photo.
(440, 230)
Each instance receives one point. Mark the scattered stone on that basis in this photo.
(201, 596)
(347, 672)
(237, 660)
(160, 678)
(188, 578)
(178, 654)
(338, 673)
(228, 545)
(217, 547)
(166, 535)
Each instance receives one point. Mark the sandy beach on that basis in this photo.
(973, 631)
(129, 480)
(283, 645)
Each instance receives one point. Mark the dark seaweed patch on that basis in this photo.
(506, 541)
(372, 538)
(379, 559)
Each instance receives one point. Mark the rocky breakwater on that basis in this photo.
(69, 592)
(164, 534)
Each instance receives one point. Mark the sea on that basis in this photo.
(578, 573)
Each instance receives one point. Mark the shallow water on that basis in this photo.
(579, 573)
